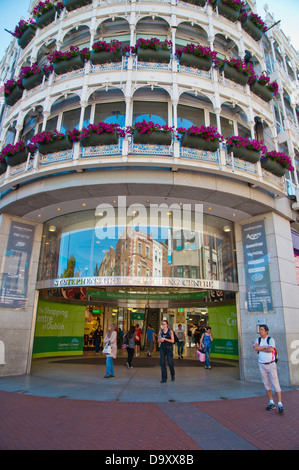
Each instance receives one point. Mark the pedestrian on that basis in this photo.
(150, 338)
(181, 341)
(166, 340)
(205, 345)
(97, 337)
(138, 332)
(111, 337)
(129, 339)
(265, 347)
(189, 333)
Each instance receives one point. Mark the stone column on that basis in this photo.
(283, 320)
(17, 325)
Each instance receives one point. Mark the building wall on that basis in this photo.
(283, 320)
(17, 325)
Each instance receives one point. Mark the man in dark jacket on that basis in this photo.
(97, 337)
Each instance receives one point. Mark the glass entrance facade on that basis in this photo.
(162, 244)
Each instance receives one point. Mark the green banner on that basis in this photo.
(223, 321)
(59, 329)
(96, 294)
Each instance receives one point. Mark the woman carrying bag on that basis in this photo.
(129, 340)
(206, 345)
(110, 340)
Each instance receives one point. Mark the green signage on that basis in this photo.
(59, 329)
(97, 294)
(223, 321)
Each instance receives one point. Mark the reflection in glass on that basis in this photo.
(84, 245)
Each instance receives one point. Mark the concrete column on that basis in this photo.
(17, 325)
(283, 320)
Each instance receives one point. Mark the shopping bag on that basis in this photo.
(200, 355)
(107, 349)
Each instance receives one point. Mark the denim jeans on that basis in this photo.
(109, 365)
(208, 352)
(166, 353)
(180, 348)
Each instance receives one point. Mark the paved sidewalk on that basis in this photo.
(41, 423)
(68, 405)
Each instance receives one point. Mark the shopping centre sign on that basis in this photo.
(102, 281)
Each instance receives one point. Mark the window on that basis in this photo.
(113, 113)
(189, 116)
(70, 120)
(150, 111)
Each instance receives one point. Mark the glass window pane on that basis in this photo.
(112, 113)
(189, 116)
(70, 120)
(156, 112)
(52, 124)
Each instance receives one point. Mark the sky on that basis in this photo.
(11, 11)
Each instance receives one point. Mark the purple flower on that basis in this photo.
(281, 158)
(209, 133)
(44, 137)
(11, 150)
(249, 144)
(197, 50)
(144, 127)
(22, 26)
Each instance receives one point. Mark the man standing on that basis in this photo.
(181, 341)
(265, 346)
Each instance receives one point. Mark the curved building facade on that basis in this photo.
(137, 179)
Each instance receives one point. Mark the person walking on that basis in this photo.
(265, 347)
(138, 332)
(205, 344)
(181, 341)
(149, 339)
(166, 340)
(97, 337)
(111, 337)
(129, 339)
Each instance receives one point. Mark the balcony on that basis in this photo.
(128, 154)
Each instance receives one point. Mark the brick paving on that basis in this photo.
(41, 423)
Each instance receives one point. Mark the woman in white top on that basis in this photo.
(111, 338)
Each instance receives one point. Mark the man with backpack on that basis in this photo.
(265, 347)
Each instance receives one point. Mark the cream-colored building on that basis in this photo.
(50, 221)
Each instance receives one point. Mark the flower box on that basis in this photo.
(68, 65)
(58, 145)
(27, 36)
(17, 158)
(153, 55)
(272, 166)
(200, 143)
(227, 11)
(153, 138)
(231, 73)
(3, 167)
(94, 139)
(46, 18)
(32, 81)
(262, 91)
(191, 60)
(252, 29)
(74, 4)
(248, 155)
(104, 57)
(14, 96)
